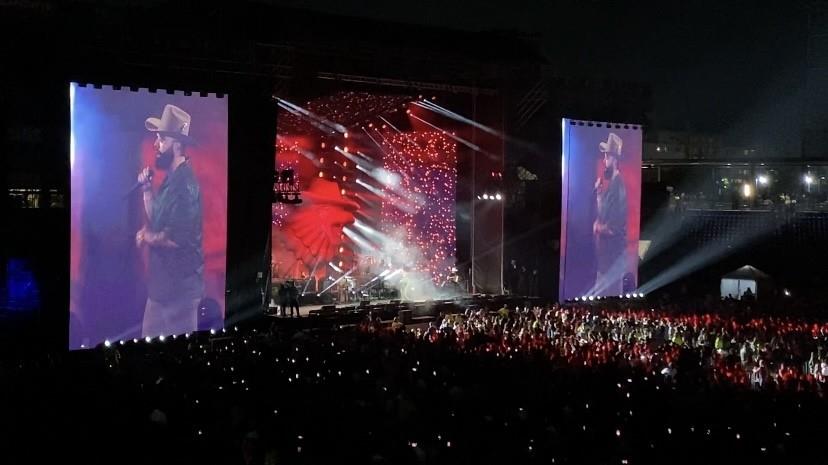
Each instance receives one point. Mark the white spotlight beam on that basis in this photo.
(394, 273)
(375, 142)
(389, 124)
(369, 230)
(353, 158)
(359, 241)
(385, 272)
(310, 120)
(468, 144)
(371, 188)
(399, 202)
(446, 112)
(458, 139)
(431, 106)
(333, 125)
(336, 281)
(315, 265)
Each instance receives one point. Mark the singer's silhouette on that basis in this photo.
(173, 233)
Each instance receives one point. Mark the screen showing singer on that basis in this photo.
(600, 209)
(148, 229)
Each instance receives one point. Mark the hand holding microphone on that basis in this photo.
(144, 181)
(145, 177)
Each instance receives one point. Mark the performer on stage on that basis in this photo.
(293, 298)
(173, 233)
(610, 226)
(452, 282)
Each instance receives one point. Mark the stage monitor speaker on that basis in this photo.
(364, 303)
(405, 317)
(395, 302)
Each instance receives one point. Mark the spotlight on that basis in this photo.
(627, 296)
(747, 190)
(809, 179)
(498, 196)
(762, 179)
(485, 196)
(161, 338)
(107, 344)
(148, 339)
(213, 332)
(591, 298)
(787, 293)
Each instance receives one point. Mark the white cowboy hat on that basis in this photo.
(612, 146)
(174, 122)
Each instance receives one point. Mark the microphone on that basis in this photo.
(138, 185)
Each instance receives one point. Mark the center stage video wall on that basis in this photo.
(379, 195)
(600, 211)
(148, 214)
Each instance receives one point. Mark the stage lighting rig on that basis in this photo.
(286, 187)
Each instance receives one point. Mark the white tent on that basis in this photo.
(737, 282)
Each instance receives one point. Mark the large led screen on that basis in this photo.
(601, 202)
(379, 193)
(148, 213)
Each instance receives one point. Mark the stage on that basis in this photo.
(305, 310)
(417, 311)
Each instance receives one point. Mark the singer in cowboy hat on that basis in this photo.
(173, 233)
(610, 227)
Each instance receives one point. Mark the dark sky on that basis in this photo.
(731, 67)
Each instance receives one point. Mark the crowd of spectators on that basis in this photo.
(591, 384)
(760, 352)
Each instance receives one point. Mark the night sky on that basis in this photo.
(735, 68)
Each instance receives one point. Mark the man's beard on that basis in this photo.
(163, 160)
(608, 172)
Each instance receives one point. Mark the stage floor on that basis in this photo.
(304, 310)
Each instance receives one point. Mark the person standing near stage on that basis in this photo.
(293, 298)
(173, 233)
(283, 299)
(610, 227)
